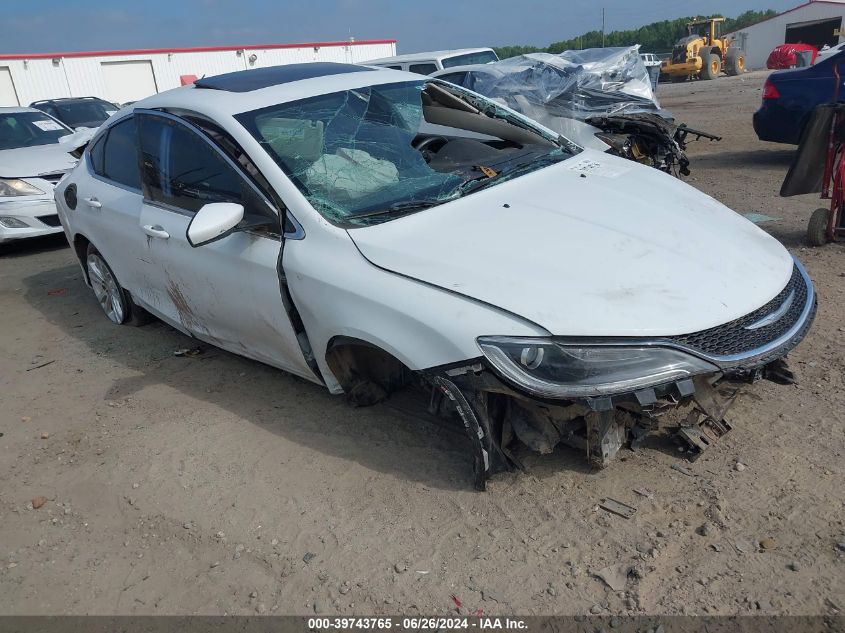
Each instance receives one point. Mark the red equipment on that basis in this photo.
(819, 166)
(787, 56)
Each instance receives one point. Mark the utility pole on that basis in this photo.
(602, 27)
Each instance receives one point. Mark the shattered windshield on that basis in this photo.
(371, 154)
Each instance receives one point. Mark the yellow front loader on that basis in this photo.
(703, 53)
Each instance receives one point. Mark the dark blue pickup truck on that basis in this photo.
(790, 96)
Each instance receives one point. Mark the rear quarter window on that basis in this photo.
(120, 155)
(95, 155)
(423, 69)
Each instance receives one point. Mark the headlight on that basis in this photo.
(557, 370)
(11, 187)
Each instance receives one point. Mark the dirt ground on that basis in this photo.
(213, 484)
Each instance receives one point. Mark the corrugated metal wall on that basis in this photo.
(761, 38)
(36, 78)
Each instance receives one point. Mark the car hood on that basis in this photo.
(593, 246)
(26, 162)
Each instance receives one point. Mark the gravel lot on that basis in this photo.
(212, 484)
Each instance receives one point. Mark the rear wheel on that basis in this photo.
(735, 63)
(114, 300)
(817, 227)
(710, 66)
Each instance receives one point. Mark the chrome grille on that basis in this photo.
(733, 338)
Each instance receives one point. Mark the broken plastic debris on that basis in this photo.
(759, 218)
(196, 351)
(617, 507)
(615, 576)
(682, 470)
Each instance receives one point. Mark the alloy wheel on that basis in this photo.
(105, 287)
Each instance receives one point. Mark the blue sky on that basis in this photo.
(60, 25)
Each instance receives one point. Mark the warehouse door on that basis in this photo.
(128, 81)
(8, 94)
(818, 33)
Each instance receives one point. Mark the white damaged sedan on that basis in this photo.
(371, 230)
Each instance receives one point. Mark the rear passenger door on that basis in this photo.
(109, 204)
(226, 292)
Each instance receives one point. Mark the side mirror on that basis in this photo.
(214, 221)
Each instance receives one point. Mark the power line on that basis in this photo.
(602, 27)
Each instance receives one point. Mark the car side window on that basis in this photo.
(96, 155)
(422, 69)
(115, 156)
(181, 169)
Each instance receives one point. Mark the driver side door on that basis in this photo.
(226, 292)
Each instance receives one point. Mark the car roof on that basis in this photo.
(10, 109)
(208, 97)
(62, 99)
(427, 55)
(247, 81)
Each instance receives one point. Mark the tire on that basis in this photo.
(735, 63)
(677, 79)
(711, 64)
(113, 299)
(817, 227)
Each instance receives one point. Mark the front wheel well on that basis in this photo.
(355, 362)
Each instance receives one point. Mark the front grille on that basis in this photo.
(732, 338)
(50, 220)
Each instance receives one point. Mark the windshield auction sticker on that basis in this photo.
(590, 167)
(47, 125)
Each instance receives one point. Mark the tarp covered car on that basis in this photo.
(600, 98)
(791, 56)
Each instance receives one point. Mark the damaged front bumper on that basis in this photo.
(498, 406)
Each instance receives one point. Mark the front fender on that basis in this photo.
(339, 293)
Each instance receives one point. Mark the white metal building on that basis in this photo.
(129, 75)
(818, 22)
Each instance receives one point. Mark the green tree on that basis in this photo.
(657, 37)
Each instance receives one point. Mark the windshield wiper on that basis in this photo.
(481, 182)
(401, 208)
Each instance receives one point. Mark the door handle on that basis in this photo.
(155, 230)
(93, 203)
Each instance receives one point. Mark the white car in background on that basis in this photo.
(432, 61)
(371, 230)
(32, 161)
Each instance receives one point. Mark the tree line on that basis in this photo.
(657, 37)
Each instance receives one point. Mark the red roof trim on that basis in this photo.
(199, 49)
